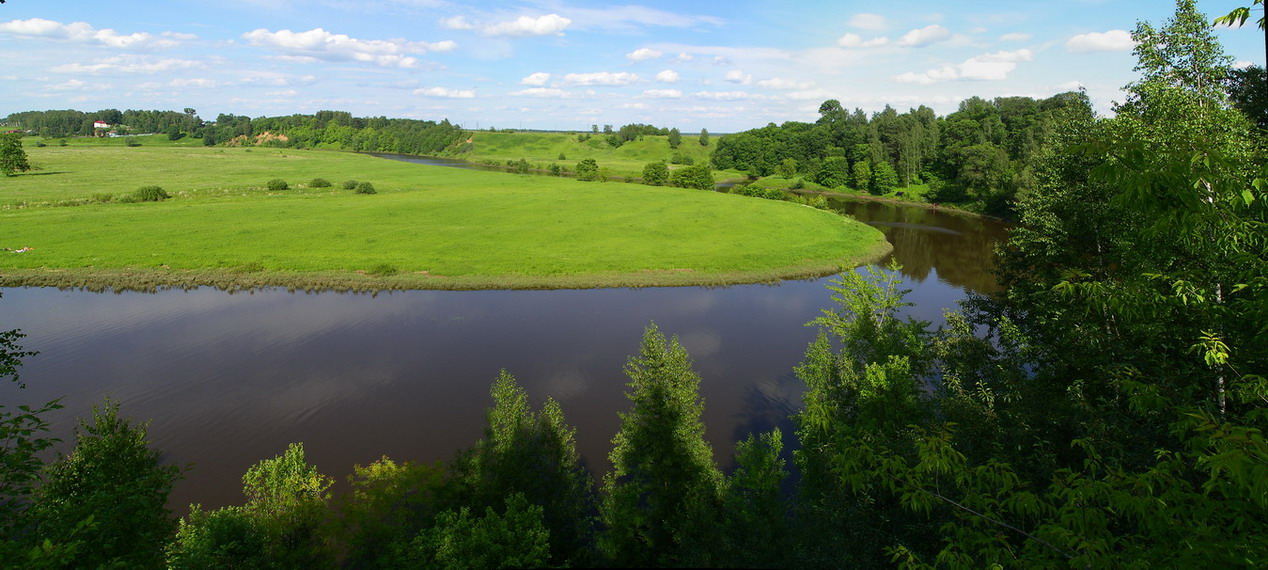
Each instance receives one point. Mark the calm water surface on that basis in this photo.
(230, 379)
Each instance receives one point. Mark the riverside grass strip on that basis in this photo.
(428, 228)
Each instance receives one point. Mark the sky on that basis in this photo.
(567, 65)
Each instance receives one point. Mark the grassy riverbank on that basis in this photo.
(427, 228)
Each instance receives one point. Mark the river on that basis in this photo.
(230, 379)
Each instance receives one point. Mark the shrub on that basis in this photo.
(656, 174)
(319, 183)
(382, 270)
(366, 188)
(150, 194)
(127, 199)
(131, 141)
(562, 156)
(103, 198)
(349, 184)
(278, 184)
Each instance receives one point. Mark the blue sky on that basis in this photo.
(557, 64)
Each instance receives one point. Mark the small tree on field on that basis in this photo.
(699, 177)
(656, 174)
(366, 188)
(588, 170)
(278, 184)
(675, 138)
(12, 157)
(704, 137)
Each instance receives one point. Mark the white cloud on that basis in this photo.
(84, 33)
(630, 18)
(737, 76)
(869, 22)
(527, 26)
(129, 64)
(1070, 86)
(1014, 37)
(193, 82)
(643, 54)
(988, 67)
(685, 57)
(667, 76)
(601, 78)
(543, 92)
(71, 85)
(921, 37)
(537, 79)
(457, 23)
(663, 93)
(1113, 40)
(318, 44)
(445, 93)
(1243, 64)
(785, 84)
(857, 41)
(722, 95)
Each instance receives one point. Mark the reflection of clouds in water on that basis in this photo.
(701, 343)
(567, 384)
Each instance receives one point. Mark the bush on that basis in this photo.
(366, 188)
(278, 184)
(150, 194)
(319, 183)
(103, 198)
(349, 184)
(382, 270)
(131, 141)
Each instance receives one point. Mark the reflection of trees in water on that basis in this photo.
(958, 247)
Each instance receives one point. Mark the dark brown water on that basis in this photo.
(230, 379)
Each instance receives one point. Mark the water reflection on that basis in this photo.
(231, 379)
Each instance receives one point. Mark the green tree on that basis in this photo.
(388, 505)
(834, 172)
(278, 527)
(587, 170)
(514, 538)
(756, 521)
(699, 176)
(675, 138)
(863, 394)
(12, 157)
(788, 167)
(656, 173)
(884, 179)
(23, 436)
(861, 175)
(662, 498)
(114, 479)
(533, 455)
(704, 137)
(1248, 91)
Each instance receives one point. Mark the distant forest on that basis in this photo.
(981, 156)
(336, 129)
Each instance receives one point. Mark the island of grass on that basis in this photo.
(426, 227)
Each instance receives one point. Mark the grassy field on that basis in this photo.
(545, 148)
(427, 228)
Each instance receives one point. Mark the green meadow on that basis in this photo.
(542, 148)
(428, 227)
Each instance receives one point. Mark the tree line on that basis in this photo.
(1113, 412)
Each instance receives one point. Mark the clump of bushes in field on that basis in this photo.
(319, 183)
(150, 194)
(277, 184)
(102, 198)
(383, 270)
(349, 184)
(366, 188)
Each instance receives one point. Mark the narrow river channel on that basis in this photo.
(230, 379)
